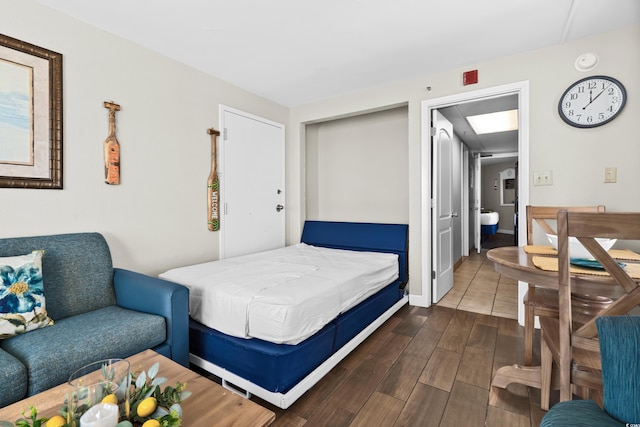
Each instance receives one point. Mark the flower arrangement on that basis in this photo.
(148, 402)
(148, 406)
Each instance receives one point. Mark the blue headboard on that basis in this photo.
(361, 236)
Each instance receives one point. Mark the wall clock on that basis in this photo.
(592, 101)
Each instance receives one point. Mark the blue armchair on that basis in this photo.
(99, 312)
(620, 355)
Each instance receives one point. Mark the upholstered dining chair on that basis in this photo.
(538, 301)
(619, 342)
(571, 340)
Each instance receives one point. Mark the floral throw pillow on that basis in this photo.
(22, 303)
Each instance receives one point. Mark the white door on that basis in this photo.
(251, 184)
(442, 214)
(477, 203)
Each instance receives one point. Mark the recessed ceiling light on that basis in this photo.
(500, 121)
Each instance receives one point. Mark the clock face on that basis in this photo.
(592, 101)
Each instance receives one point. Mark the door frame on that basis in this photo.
(522, 90)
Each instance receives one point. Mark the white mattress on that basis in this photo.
(284, 295)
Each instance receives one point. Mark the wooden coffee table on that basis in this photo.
(209, 404)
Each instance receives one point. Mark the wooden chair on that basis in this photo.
(571, 340)
(619, 338)
(540, 301)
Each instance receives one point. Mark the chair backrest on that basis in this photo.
(586, 227)
(541, 214)
(578, 343)
(620, 353)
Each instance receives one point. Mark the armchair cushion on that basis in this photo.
(110, 332)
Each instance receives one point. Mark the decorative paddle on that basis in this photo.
(112, 148)
(213, 187)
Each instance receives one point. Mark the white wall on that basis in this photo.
(156, 218)
(576, 157)
(357, 168)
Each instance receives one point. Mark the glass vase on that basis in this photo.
(93, 388)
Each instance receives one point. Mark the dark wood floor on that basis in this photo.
(498, 240)
(423, 367)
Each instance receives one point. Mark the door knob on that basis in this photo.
(279, 208)
(454, 214)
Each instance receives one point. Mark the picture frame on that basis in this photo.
(30, 116)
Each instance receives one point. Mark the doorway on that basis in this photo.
(252, 182)
(521, 90)
(498, 201)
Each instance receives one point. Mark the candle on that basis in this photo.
(100, 415)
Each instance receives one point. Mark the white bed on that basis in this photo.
(281, 373)
(285, 295)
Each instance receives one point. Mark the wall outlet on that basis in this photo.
(543, 178)
(610, 174)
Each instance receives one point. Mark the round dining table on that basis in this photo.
(515, 262)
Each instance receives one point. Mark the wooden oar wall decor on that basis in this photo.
(213, 186)
(112, 148)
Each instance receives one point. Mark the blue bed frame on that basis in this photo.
(281, 373)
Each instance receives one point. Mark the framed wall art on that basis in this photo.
(30, 116)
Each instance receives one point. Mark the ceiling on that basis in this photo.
(501, 142)
(295, 52)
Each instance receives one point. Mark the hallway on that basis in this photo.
(478, 288)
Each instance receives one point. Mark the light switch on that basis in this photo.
(610, 174)
(543, 178)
